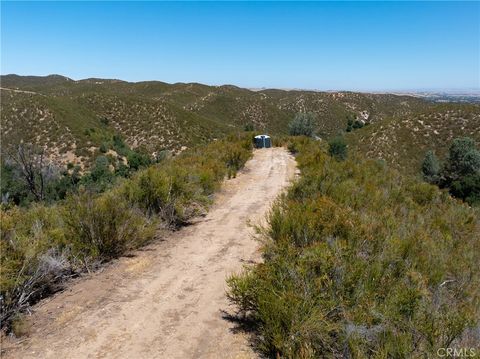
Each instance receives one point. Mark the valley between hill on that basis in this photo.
(73, 120)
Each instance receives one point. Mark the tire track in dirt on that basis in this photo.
(168, 299)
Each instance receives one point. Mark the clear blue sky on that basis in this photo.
(321, 45)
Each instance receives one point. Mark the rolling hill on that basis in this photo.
(403, 141)
(72, 119)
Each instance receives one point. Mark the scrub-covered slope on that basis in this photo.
(73, 118)
(402, 142)
(361, 261)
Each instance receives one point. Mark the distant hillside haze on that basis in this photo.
(71, 119)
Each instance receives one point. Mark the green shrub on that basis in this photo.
(41, 246)
(353, 123)
(119, 145)
(459, 148)
(349, 124)
(103, 147)
(431, 167)
(279, 141)
(337, 148)
(32, 257)
(137, 160)
(162, 155)
(100, 178)
(234, 159)
(467, 188)
(361, 262)
(179, 188)
(104, 227)
(160, 192)
(12, 187)
(303, 124)
(461, 173)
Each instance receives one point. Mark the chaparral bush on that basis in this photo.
(362, 262)
(42, 245)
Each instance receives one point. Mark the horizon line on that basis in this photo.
(447, 90)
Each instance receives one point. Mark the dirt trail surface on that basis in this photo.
(168, 300)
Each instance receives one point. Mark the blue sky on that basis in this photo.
(316, 45)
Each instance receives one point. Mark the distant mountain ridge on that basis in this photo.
(72, 119)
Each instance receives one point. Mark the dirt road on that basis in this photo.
(168, 300)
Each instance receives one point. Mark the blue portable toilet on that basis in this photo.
(263, 141)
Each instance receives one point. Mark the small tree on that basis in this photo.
(100, 176)
(431, 167)
(337, 148)
(138, 159)
(463, 158)
(349, 125)
(461, 174)
(33, 168)
(470, 164)
(303, 124)
(460, 146)
(100, 169)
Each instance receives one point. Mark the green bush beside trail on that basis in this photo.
(362, 262)
(43, 245)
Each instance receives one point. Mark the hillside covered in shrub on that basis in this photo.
(403, 141)
(75, 119)
(43, 245)
(362, 262)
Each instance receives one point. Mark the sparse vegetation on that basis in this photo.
(76, 119)
(402, 140)
(361, 261)
(20, 326)
(43, 245)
